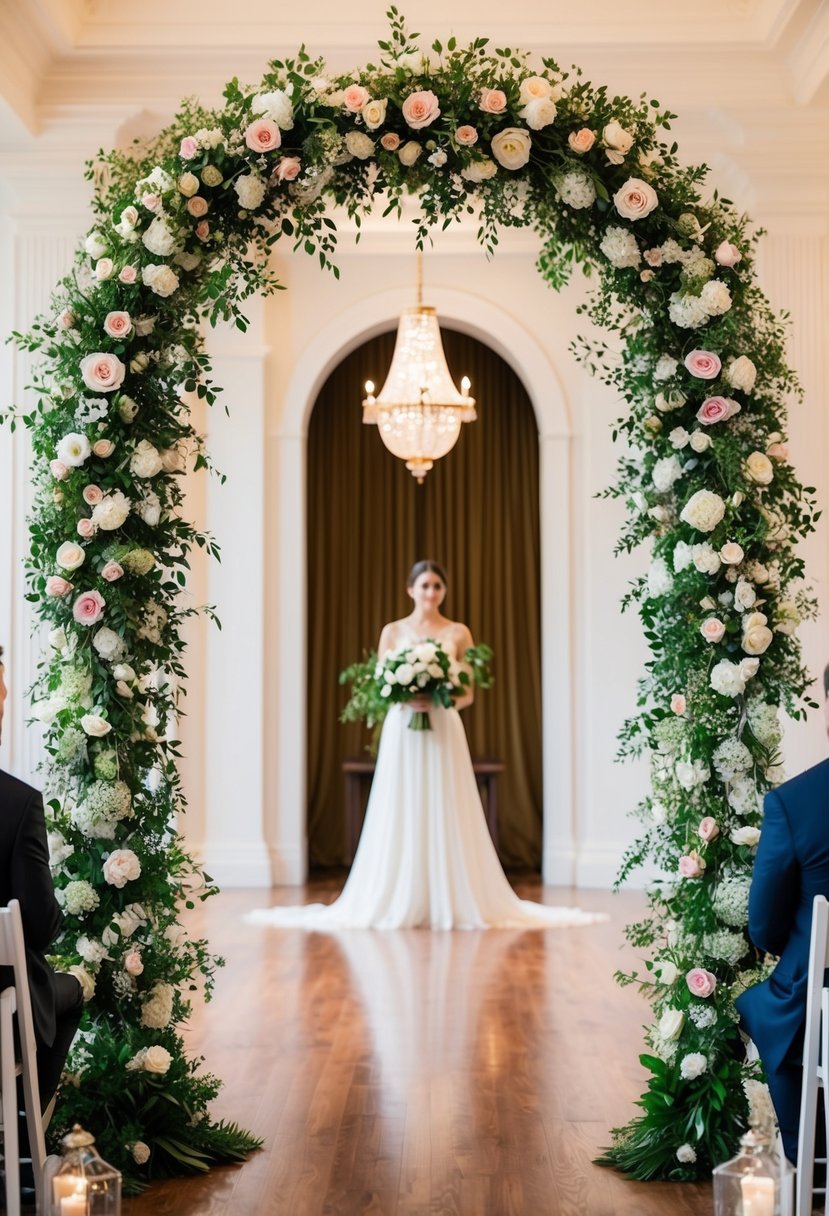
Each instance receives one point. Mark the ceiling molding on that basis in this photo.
(809, 60)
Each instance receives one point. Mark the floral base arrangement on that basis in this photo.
(184, 225)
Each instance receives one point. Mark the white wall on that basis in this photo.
(243, 736)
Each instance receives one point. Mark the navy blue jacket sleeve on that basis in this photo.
(31, 879)
(775, 881)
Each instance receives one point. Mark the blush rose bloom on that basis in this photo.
(678, 703)
(511, 147)
(727, 254)
(466, 136)
(715, 409)
(86, 528)
(691, 865)
(390, 141)
(70, 556)
(57, 586)
(712, 629)
(701, 982)
(117, 324)
(132, 962)
(103, 448)
(203, 230)
(355, 97)
(112, 571)
(102, 373)
(581, 141)
(287, 169)
(703, 364)
(89, 608)
(197, 206)
(420, 109)
(779, 451)
(635, 199)
(122, 866)
(493, 101)
(708, 828)
(92, 495)
(263, 135)
(188, 148)
(59, 470)
(128, 274)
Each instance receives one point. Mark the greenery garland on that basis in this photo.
(184, 226)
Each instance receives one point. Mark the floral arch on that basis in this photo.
(184, 226)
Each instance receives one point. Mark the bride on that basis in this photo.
(425, 856)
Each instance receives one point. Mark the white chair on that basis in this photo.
(16, 999)
(815, 1057)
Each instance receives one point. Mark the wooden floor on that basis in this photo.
(419, 1073)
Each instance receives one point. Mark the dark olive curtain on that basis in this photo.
(477, 513)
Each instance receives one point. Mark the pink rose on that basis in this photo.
(197, 206)
(653, 256)
(420, 108)
(89, 608)
(355, 97)
(700, 982)
(102, 373)
(712, 629)
(86, 528)
(103, 269)
(103, 448)
(493, 101)
(60, 471)
(779, 451)
(202, 230)
(727, 254)
(128, 275)
(466, 136)
(57, 586)
(66, 319)
(390, 141)
(151, 201)
(708, 828)
(132, 962)
(692, 865)
(581, 141)
(189, 148)
(112, 571)
(263, 135)
(715, 409)
(287, 169)
(703, 364)
(678, 704)
(117, 324)
(92, 495)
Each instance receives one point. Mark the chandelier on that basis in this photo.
(418, 411)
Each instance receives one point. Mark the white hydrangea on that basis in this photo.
(695, 265)
(104, 804)
(90, 410)
(78, 897)
(576, 190)
(688, 311)
(703, 1016)
(275, 105)
(742, 795)
(660, 580)
(683, 556)
(730, 900)
(725, 945)
(666, 367)
(620, 247)
(764, 722)
(212, 138)
(91, 950)
(59, 850)
(731, 757)
(672, 251)
(665, 472)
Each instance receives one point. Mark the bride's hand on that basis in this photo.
(421, 705)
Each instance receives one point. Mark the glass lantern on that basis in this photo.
(754, 1183)
(82, 1184)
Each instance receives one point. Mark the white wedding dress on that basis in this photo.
(425, 856)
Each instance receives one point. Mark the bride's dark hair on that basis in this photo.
(426, 567)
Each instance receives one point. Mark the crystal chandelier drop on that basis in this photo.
(419, 411)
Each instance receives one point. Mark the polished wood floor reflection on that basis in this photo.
(421, 1074)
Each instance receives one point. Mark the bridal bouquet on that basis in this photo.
(419, 669)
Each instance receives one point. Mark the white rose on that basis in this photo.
(741, 373)
(149, 508)
(635, 199)
(749, 836)
(86, 981)
(111, 512)
(251, 190)
(405, 674)
(539, 113)
(744, 595)
(693, 1065)
(479, 170)
(671, 1024)
(95, 725)
(759, 468)
(534, 88)
(727, 679)
(617, 141)
(757, 637)
(70, 556)
(108, 644)
(160, 279)
(706, 560)
(700, 441)
(359, 144)
(511, 147)
(122, 866)
(96, 245)
(749, 668)
(374, 113)
(146, 460)
(73, 450)
(157, 1059)
(679, 437)
(703, 511)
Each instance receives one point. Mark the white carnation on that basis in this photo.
(251, 190)
(159, 238)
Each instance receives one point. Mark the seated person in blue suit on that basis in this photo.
(790, 869)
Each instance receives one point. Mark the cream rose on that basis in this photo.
(757, 637)
(479, 170)
(581, 141)
(759, 468)
(741, 374)
(617, 141)
(409, 153)
(703, 511)
(157, 1059)
(511, 147)
(70, 556)
(731, 553)
(539, 114)
(95, 726)
(122, 866)
(374, 113)
(745, 836)
(146, 460)
(534, 88)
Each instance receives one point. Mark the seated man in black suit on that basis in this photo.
(57, 999)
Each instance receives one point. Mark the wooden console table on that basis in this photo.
(359, 769)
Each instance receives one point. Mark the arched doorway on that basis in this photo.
(478, 513)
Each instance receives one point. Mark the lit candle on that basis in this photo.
(758, 1195)
(67, 1184)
